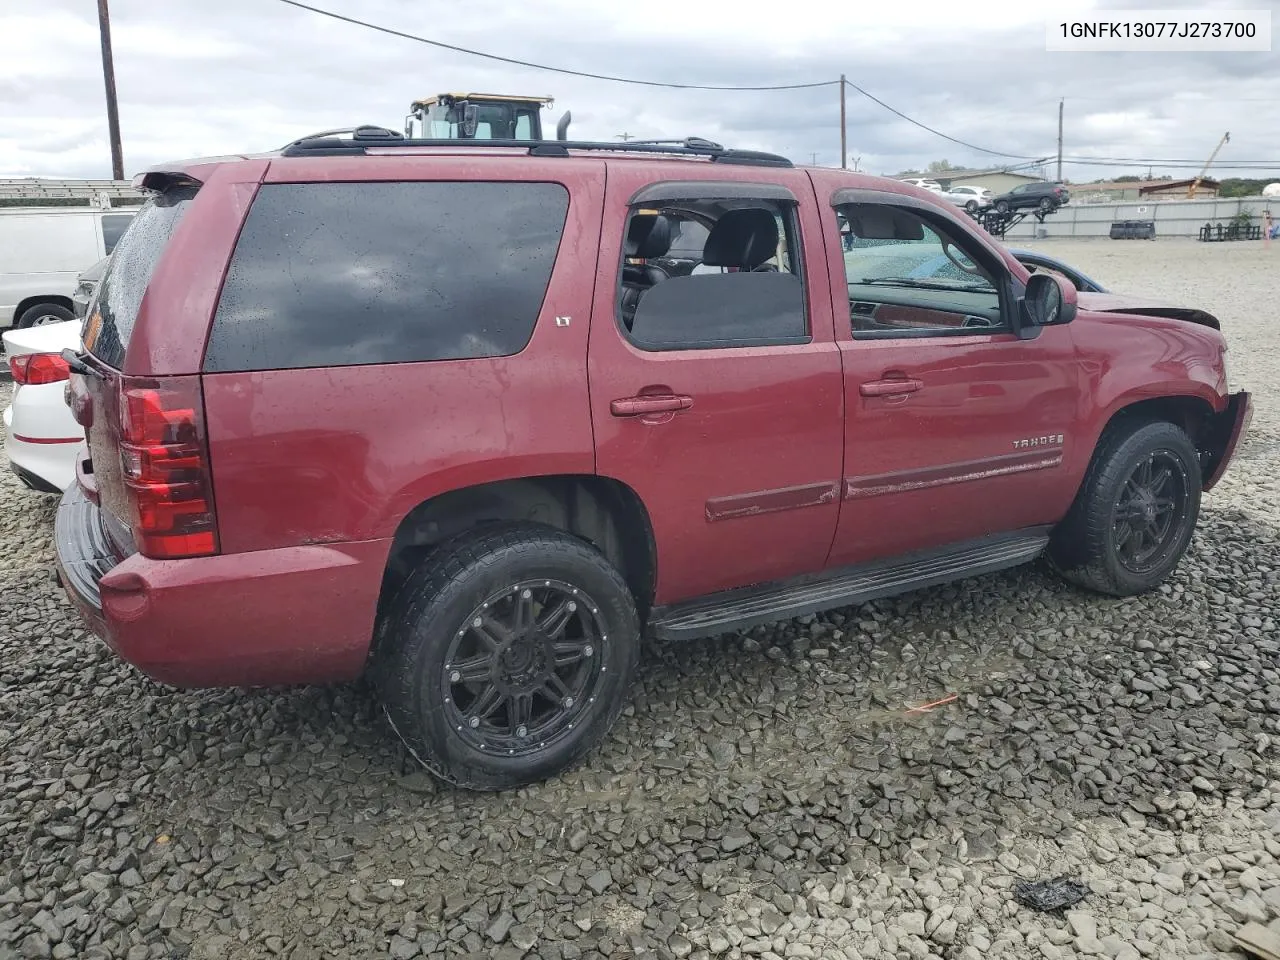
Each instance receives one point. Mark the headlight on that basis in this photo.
(85, 289)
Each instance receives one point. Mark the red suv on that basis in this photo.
(459, 414)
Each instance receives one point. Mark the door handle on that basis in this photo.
(889, 388)
(644, 406)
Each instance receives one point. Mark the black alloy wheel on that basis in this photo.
(1136, 510)
(1150, 512)
(506, 655)
(524, 667)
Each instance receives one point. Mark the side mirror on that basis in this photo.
(1049, 301)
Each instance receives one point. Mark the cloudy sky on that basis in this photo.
(197, 77)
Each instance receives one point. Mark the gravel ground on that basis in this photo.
(764, 795)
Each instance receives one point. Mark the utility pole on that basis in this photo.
(844, 132)
(814, 156)
(109, 77)
(1060, 103)
(624, 137)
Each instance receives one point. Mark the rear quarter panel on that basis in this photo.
(334, 454)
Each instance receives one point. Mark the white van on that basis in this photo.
(42, 252)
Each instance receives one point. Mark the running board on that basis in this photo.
(733, 610)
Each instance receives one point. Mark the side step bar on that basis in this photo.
(733, 610)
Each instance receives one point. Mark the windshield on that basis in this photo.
(494, 121)
(922, 261)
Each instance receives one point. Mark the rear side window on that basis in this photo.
(338, 274)
(133, 260)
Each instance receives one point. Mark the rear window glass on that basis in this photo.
(336, 274)
(133, 260)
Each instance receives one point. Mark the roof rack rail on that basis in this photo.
(363, 137)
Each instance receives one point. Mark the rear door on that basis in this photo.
(720, 403)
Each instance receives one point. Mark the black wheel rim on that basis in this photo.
(524, 667)
(1151, 512)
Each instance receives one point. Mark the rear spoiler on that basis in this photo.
(158, 181)
(184, 173)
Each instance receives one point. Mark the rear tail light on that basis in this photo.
(36, 368)
(164, 458)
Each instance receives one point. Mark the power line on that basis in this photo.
(542, 66)
(1241, 164)
(925, 126)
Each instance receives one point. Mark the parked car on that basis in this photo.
(416, 430)
(1042, 196)
(971, 198)
(1035, 260)
(42, 252)
(87, 286)
(40, 435)
(925, 183)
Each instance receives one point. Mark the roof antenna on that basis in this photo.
(562, 128)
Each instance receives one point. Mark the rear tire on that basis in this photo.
(1002, 207)
(1046, 205)
(1135, 513)
(507, 655)
(39, 314)
(971, 206)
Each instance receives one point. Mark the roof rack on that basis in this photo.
(363, 137)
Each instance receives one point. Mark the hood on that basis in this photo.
(94, 273)
(1141, 306)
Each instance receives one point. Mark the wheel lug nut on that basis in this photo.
(522, 731)
(526, 594)
(588, 650)
(473, 722)
(571, 606)
(476, 622)
(455, 676)
(568, 701)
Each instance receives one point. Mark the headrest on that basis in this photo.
(742, 238)
(881, 223)
(648, 235)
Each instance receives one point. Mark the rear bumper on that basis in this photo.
(1233, 427)
(300, 614)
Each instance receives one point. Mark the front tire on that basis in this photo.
(971, 206)
(1002, 207)
(1135, 513)
(507, 655)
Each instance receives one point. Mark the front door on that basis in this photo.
(956, 427)
(716, 391)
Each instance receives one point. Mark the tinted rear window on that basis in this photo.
(132, 262)
(336, 274)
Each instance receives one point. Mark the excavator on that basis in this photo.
(480, 116)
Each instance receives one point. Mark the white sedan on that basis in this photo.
(972, 199)
(40, 435)
(925, 183)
